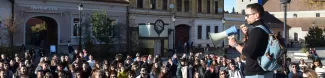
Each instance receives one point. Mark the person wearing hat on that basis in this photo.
(118, 59)
(138, 60)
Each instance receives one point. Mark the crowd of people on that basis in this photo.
(198, 65)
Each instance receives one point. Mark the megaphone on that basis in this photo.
(218, 37)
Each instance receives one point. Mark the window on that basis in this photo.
(207, 32)
(199, 6)
(187, 5)
(165, 4)
(208, 6)
(216, 29)
(295, 15)
(153, 4)
(179, 5)
(139, 3)
(216, 7)
(75, 26)
(199, 32)
(317, 15)
(295, 35)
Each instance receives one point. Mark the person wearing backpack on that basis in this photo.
(256, 44)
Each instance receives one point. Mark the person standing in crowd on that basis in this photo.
(234, 72)
(155, 70)
(91, 62)
(308, 73)
(183, 70)
(144, 73)
(70, 48)
(240, 64)
(185, 47)
(76, 53)
(319, 69)
(256, 43)
(122, 73)
(164, 73)
(295, 73)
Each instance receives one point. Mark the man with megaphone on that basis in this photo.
(256, 43)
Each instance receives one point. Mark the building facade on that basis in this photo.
(193, 19)
(301, 15)
(234, 20)
(61, 18)
(5, 12)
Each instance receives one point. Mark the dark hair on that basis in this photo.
(256, 7)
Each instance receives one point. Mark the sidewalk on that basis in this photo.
(295, 58)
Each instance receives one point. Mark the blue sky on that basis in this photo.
(229, 4)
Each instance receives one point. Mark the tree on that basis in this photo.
(315, 37)
(11, 24)
(102, 27)
(318, 4)
(39, 27)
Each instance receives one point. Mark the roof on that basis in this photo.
(306, 23)
(294, 5)
(272, 21)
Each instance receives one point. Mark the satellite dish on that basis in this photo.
(171, 6)
(220, 10)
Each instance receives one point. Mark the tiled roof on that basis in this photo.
(272, 21)
(294, 5)
(306, 23)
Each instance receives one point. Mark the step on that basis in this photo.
(300, 54)
(297, 57)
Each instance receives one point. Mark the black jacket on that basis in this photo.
(254, 48)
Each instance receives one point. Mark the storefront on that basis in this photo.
(61, 19)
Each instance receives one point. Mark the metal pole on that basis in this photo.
(285, 24)
(174, 35)
(80, 44)
(285, 34)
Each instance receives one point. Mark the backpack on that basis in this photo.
(271, 59)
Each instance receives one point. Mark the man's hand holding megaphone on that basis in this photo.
(232, 41)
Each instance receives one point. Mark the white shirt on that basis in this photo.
(150, 76)
(91, 63)
(320, 71)
(184, 72)
(235, 74)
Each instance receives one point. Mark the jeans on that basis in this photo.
(266, 75)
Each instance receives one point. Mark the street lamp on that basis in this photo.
(80, 6)
(171, 6)
(285, 2)
(223, 28)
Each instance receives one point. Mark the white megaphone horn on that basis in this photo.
(218, 37)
